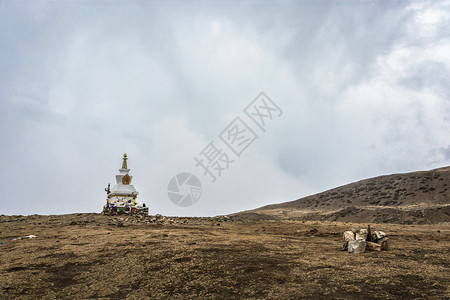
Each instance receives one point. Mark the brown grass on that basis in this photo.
(254, 259)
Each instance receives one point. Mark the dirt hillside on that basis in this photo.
(410, 198)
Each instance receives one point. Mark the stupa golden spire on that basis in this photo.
(124, 164)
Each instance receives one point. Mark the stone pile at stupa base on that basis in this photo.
(122, 198)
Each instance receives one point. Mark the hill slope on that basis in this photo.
(410, 198)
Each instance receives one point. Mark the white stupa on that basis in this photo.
(122, 197)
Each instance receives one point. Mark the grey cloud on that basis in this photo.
(83, 82)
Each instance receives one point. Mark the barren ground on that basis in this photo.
(84, 257)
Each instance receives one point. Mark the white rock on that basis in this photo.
(349, 236)
(379, 234)
(361, 234)
(356, 247)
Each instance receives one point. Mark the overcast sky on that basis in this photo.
(363, 86)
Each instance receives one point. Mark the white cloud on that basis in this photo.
(364, 91)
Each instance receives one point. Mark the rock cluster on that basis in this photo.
(360, 240)
(159, 219)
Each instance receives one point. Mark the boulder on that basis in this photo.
(349, 236)
(384, 243)
(370, 246)
(361, 234)
(379, 234)
(356, 247)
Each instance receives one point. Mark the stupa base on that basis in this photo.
(112, 209)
